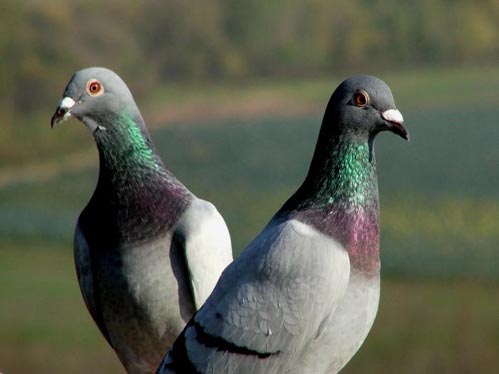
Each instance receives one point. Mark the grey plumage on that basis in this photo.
(303, 295)
(147, 251)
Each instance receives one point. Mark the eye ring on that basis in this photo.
(94, 87)
(361, 98)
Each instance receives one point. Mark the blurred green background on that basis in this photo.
(234, 93)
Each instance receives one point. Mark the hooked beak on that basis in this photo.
(395, 123)
(63, 111)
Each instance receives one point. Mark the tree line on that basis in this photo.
(159, 41)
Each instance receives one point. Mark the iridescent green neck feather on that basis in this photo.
(136, 195)
(339, 197)
(126, 141)
(351, 178)
(342, 174)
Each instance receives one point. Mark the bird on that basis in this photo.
(147, 251)
(303, 295)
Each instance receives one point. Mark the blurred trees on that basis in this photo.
(187, 39)
(149, 42)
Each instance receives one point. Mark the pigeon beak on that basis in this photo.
(395, 122)
(63, 111)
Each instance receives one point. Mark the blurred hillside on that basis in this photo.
(155, 43)
(234, 92)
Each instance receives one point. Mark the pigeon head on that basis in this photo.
(363, 106)
(95, 96)
(342, 173)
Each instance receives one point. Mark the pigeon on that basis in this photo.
(147, 251)
(303, 295)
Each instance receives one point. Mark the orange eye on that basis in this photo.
(361, 98)
(94, 88)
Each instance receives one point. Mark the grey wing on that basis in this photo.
(267, 307)
(207, 247)
(83, 265)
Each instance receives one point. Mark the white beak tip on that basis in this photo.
(62, 112)
(392, 115)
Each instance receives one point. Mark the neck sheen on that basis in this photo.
(136, 197)
(340, 198)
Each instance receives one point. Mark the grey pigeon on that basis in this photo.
(304, 294)
(147, 251)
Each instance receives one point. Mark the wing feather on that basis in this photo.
(207, 247)
(268, 305)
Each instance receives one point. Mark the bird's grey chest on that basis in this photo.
(358, 308)
(350, 324)
(135, 287)
(130, 273)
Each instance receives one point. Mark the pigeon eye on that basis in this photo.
(94, 88)
(361, 98)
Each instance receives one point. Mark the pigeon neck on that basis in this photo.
(342, 173)
(123, 140)
(135, 194)
(340, 198)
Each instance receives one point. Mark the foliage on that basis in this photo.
(186, 39)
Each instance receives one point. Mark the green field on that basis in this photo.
(439, 205)
(422, 326)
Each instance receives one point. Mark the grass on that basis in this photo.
(432, 327)
(45, 327)
(422, 326)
